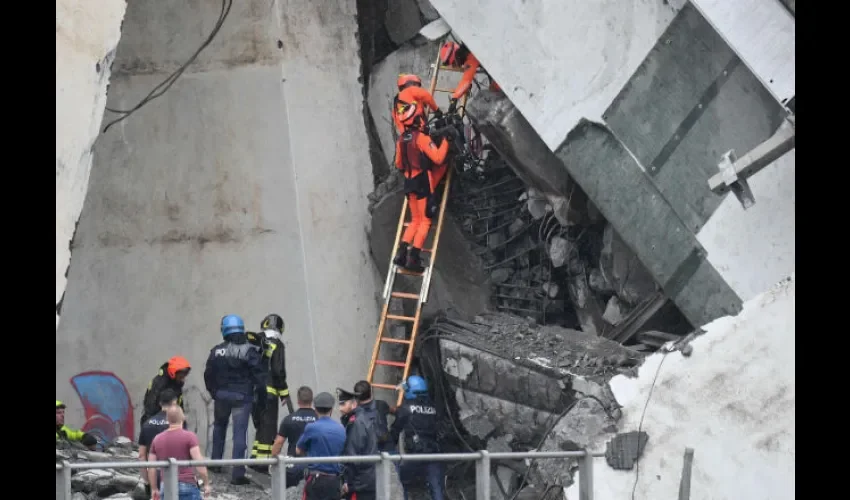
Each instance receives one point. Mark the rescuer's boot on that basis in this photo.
(401, 255)
(414, 262)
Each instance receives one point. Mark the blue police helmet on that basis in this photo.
(415, 386)
(232, 324)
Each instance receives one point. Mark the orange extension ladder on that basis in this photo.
(425, 276)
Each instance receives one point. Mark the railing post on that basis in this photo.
(66, 480)
(585, 476)
(482, 476)
(279, 479)
(384, 473)
(172, 489)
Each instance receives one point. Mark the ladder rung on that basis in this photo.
(401, 318)
(405, 272)
(397, 364)
(404, 295)
(394, 341)
(385, 386)
(427, 250)
(452, 68)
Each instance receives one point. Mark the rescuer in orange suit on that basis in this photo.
(410, 90)
(423, 164)
(456, 55)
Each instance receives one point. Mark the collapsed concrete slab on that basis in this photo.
(508, 381)
(621, 191)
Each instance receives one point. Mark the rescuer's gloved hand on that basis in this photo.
(452, 106)
(438, 113)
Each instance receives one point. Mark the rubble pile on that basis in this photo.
(126, 484)
(505, 383)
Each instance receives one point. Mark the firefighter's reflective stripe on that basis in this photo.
(69, 434)
(270, 349)
(277, 392)
(261, 450)
(159, 374)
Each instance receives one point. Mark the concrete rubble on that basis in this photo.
(126, 484)
(508, 384)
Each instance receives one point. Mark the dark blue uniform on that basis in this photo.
(377, 411)
(234, 370)
(292, 428)
(323, 438)
(418, 419)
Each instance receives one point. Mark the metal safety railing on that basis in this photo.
(279, 464)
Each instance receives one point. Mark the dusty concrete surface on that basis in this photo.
(458, 286)
(86, 37)
(231, 193)
(732, 400)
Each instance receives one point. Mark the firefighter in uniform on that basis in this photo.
(265, 416)
(69, 434)
(172, 375)
(423, 164)
(417, 418)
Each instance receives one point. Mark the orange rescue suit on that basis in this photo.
(472, 66)
(423, 164)
(414, 94)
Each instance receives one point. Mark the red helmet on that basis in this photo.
(408, 112)
(406, 80)
(448, 53)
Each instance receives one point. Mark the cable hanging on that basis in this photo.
(166, 84)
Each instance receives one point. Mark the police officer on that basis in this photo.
(323, 438)
(377, 411)
(290, 431)
(265, 415)
(360, 439)
(417, 418)
(233, 372)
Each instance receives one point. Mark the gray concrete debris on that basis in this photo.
(622, 269)
(403, 20)
(589, 308)
(126, 484)
(558, 251)
(511, 380)
(428, 10)
(625, 448)
(576, 430)
(614, 311)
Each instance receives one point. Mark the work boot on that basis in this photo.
(240, 481)
(414, 262)
(401, 256)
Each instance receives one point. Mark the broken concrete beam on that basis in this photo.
(501, 378)
(428, 10)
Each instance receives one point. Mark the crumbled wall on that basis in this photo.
(732, 400)
(86, 36)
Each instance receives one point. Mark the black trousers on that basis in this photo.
(265, 423)
(322, 487)
(361, 495)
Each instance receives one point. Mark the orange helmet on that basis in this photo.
(448, 53)
(408, 112)
(406, 80)
(177, 364)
